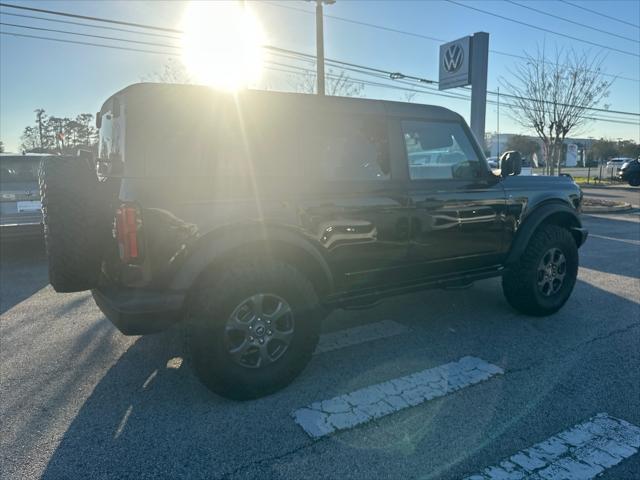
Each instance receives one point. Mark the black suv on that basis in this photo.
(630, 172)
(251, 216)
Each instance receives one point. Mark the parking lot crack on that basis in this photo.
(267, 459)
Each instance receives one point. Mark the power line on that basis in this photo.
(421, 89)
(595, 109)
(600, 14)
(509, 19)
(102, 37)
(94, 19)
(580, 24)
(418, 35)
(397, 76)
(349, 66)
(103, 27)
(358, 22)
(114, 47)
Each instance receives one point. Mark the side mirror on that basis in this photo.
(510, 163)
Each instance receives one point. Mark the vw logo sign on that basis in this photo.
(453, 57)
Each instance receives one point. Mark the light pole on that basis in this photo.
(498, 124)
(320, 44)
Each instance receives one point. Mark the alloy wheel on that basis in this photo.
(259, 330)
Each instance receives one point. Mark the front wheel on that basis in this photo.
(634, 181)
(542, 280)
(253, 328)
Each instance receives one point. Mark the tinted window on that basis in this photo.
(439, 150)
(350, 148)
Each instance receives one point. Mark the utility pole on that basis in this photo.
(498, 124)
(320, 44)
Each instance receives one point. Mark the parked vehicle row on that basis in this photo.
(20, 215)
(630, 172)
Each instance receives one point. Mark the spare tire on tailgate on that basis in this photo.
(75, 211)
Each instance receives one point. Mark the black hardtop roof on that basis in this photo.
(340, 103)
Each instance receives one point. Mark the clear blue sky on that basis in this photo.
(69, 79)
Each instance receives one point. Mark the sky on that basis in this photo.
(67, 79)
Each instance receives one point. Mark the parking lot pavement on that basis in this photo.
(79, 400)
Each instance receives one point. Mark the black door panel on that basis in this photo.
(454, 227)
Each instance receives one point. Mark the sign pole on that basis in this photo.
(479, 61)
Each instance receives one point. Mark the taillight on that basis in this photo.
(129, 233)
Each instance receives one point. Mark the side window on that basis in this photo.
(350, 148)
(259, 141)
(439, 151)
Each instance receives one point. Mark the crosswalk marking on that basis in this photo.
(366, 404)
(582, 452)
(361, 334)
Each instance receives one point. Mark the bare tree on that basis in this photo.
(552, 96)
(336, 84)
(410, 96)
(171, 72)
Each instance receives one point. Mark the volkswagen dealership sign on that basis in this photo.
(455, 66)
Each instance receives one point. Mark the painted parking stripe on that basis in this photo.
(623, 240)
(361, 334)
(582, 452)
(361, 406)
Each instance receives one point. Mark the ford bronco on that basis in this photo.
(251, 216)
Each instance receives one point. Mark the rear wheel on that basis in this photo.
(76, 222)
(542, 280)
(253, 328)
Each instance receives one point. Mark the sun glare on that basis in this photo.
(222, 44)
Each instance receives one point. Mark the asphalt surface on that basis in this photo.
(80, 400)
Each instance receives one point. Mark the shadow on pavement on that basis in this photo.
(23, 271)
(150, 417)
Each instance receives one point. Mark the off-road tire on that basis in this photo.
(214, 300)
(519, 283)
(76, 224)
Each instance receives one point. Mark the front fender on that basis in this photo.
(556, 213)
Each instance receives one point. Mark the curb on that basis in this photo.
(616, 209)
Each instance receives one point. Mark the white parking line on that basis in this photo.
(364, 333)
(582, 452)
(623, 240)
(355, 408)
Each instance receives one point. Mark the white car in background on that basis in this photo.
(618, 162)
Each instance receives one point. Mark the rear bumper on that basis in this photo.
(138, 312)
(17, 231)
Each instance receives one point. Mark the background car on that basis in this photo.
(630, 172)
(618, 162)
(20, 208)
